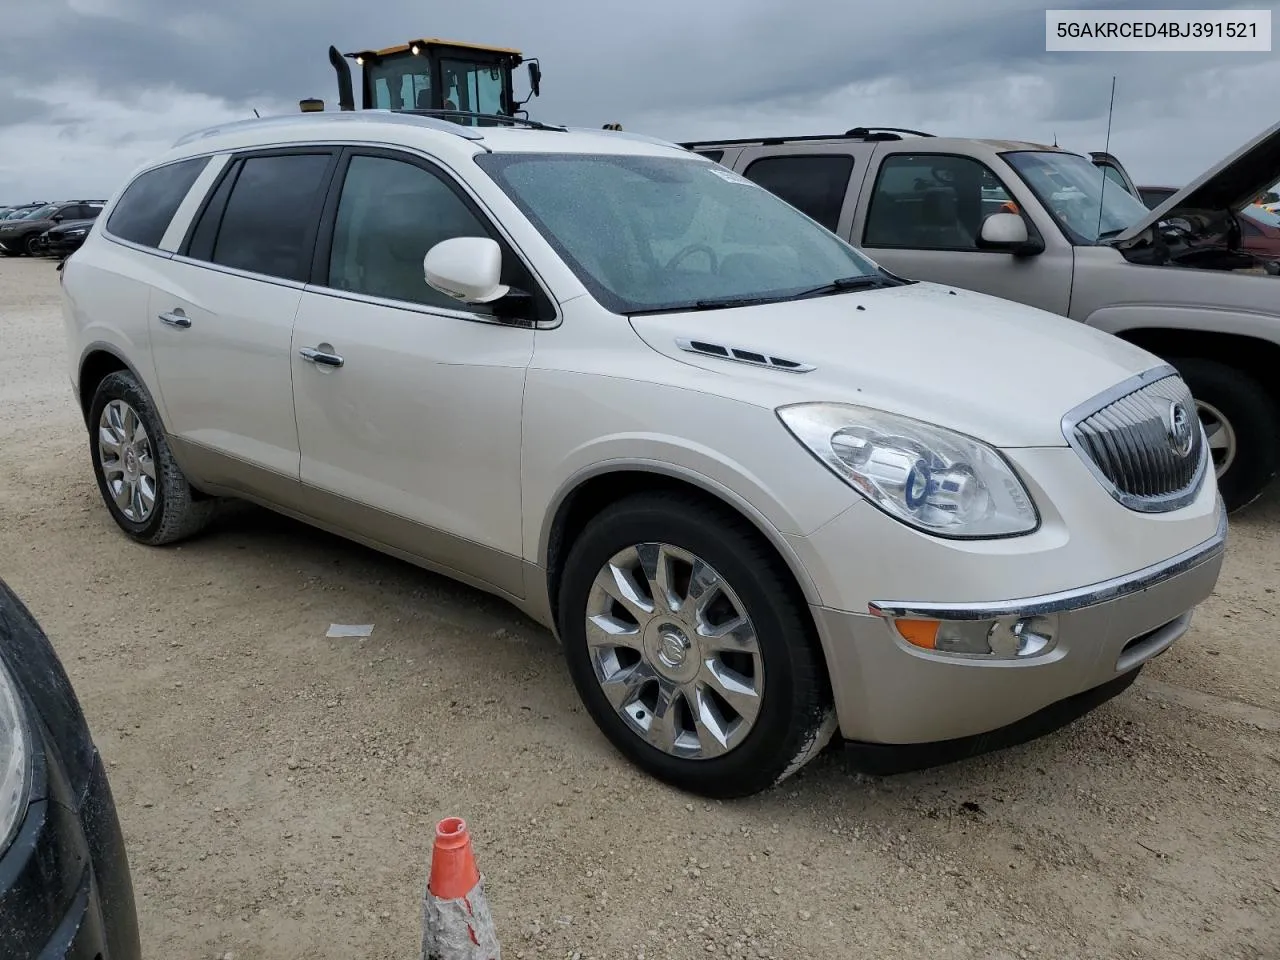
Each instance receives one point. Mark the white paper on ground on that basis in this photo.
(349, 630)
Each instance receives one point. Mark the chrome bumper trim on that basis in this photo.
(1074, 599)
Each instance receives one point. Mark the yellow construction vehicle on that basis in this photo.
(468, 83)
(465, 82)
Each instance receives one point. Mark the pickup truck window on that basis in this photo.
(1070, 187)
(932, 201)
(648, 233)
(814, 185)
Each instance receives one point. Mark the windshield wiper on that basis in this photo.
(861, 281)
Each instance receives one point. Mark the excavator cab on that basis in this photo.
(465, 82)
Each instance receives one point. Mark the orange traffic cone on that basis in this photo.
(456, 923)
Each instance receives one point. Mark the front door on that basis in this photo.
(221, 318)
(408, 402)
(920, 215)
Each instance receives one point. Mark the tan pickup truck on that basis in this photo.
(1063, 231)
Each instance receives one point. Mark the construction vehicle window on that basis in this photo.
(472, 87)
(143, 213)
(270, 214)
(932, 202)
(389, 215)
(396, 87)
(815, 185)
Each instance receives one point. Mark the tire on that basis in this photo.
(1251, 427)
(174, 512)
(31, 246)
(793, 714)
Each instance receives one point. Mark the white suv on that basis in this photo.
(759, 487)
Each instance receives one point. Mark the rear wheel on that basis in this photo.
(32, 246)
(691, 650)
(141, 483)
(1242, 424)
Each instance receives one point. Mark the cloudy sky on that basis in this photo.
(91, 88)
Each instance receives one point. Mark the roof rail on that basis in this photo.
(856, 133)
(628, 135)
(346, 116)
(494, 118)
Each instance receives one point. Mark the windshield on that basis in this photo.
(41, 213)
(647, 233)
(1262, 215)
(1071, 188)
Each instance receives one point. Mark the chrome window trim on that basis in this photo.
(426, 309)
(1066, 600)
(436, 161)
(1139, 504)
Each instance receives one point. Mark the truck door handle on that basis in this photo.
(175, 319)
(312, 355)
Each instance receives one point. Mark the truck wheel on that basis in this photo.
(141, 483)
(1242, 423)
(690, 650)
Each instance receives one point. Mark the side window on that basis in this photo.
(143, 212)
(816, 185)
(390, 214)
(932, 202)
(716, 155)
(270, 217)
(1112, 174)
(1247, 228)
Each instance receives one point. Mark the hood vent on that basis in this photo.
(743, 355)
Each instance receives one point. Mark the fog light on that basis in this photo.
(1009, 638)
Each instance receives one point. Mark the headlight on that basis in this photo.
(932, 478)
(76, 233)
(15, 759)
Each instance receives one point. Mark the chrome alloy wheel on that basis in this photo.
(128, 465)
(1221, 436)
(674, 651)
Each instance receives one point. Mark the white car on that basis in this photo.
(759, 488)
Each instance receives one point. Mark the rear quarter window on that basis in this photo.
(143, 212)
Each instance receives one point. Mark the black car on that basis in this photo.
(65, 887)
(64, 239)
(23, 236)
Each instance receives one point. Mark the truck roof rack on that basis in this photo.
(856, 133)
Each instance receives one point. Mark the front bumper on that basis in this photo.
(890, 692)
(65, 889)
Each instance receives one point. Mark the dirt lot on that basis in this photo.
(278, 788)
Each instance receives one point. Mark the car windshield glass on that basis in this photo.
(650, 233)
(1262, 215)
(1071, 188)
(40, 212)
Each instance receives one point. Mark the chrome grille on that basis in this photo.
(1133, 439)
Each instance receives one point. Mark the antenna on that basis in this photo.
(1102, 195)
(256, 113)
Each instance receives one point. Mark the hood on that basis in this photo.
(68, 225)
(1227, 186)
(997, 370)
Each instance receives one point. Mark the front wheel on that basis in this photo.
(1241, 423)
(691, 649)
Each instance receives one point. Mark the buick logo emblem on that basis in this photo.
(1182, 433)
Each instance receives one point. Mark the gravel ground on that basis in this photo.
(278, 788)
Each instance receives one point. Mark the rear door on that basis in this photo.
(820, 180)
(921, 211)
(221, 319)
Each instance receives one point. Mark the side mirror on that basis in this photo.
(535, 77)
(469, 269)
(1008, 231)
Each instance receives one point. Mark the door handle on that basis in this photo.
(175, 319)
(312, 355)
